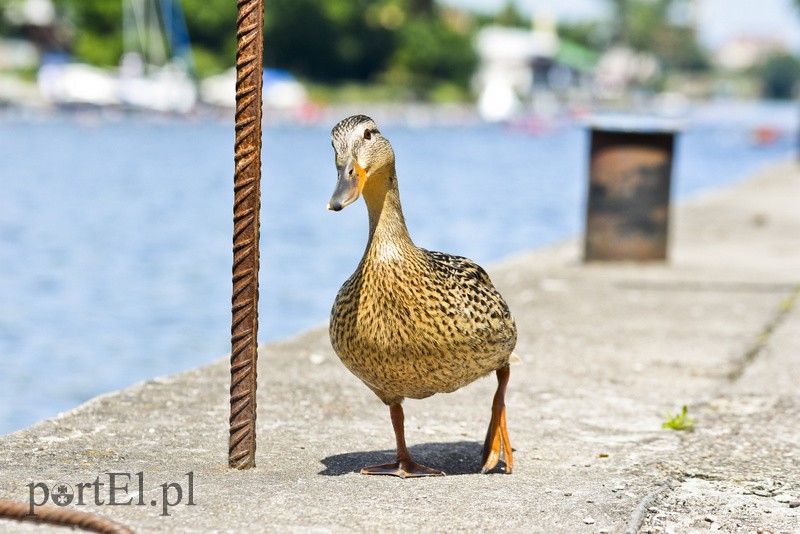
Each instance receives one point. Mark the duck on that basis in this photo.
(410, 322)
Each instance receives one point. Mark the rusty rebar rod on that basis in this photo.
(65, 517)
(246, 206)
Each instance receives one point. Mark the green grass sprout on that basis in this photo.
(679, 421)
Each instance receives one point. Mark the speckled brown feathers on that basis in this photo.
(424, 323)
(410, 322)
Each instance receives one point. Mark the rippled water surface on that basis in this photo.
(115, 235)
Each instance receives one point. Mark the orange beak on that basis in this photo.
(352, 178)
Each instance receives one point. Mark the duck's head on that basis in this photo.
(364, 158)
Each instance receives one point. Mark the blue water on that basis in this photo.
(115, 235)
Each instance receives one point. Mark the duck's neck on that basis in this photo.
(388, 235)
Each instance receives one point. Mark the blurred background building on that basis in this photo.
(511, 58)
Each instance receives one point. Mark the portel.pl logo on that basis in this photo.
(116, 489)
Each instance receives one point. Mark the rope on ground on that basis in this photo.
(65, 517)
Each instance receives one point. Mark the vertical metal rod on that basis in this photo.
(246, 206)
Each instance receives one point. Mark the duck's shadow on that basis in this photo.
(455, 458)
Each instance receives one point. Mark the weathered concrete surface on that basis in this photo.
(607, 350)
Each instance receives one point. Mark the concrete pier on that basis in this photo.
(607, 350)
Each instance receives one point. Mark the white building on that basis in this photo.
(525, 70)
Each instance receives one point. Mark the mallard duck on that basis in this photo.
(411, 322)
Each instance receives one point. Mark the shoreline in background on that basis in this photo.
(785, 118)
(74, 297)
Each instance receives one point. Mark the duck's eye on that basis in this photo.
(367, 135)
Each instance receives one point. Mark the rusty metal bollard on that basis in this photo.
(630, 169)
(246, 206)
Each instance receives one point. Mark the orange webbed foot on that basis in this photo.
(403, 469)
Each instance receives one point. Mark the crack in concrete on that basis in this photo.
(784, 308)
(639, 513)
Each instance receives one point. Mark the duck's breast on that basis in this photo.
(415, 327)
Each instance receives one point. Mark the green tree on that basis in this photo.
(510, 15)
(429, 51)
(779, 75)
(647, 25)
(326, 41)
(403, 42)
(96, 29)
(212, 29)
(620, 20)
(413, 42)
(6, 28)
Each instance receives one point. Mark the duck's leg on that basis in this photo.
(497, 445)
(405, 466)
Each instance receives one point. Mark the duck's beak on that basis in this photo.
(349, 186)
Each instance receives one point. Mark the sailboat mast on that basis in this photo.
(157, 54)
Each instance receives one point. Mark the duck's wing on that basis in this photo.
(468, 296)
